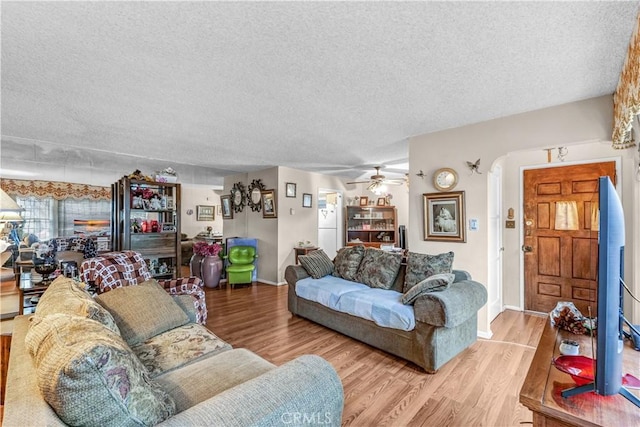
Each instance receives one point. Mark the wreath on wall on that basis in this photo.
(254, 195)
(238, 197)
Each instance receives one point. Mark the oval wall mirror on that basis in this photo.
(254, 195)
(238, 197)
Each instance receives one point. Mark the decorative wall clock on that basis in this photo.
(445, 179)
(238, 197)
(254, 195)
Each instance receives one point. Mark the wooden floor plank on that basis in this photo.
(478, 387)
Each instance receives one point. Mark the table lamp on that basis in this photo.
(9, 211)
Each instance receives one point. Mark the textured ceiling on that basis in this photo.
(328, 87)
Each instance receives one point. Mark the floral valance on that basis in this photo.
(57, 190)
(626, 100)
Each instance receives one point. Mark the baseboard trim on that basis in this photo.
(512, 307)
(268, 282)
(485, 335)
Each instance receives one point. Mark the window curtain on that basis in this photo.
(55, 209)
(626, 100)
(54, 189)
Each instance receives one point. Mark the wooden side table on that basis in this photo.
(303, 250)
(544, 383)
(29, 287)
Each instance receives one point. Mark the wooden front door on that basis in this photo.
(561, 249)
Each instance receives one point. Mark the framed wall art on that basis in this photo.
(381, 201)
(269, 204)
(364, 201)
(227, 208)
(205, 213)
(444, 217)
(306, 200)
(291, 189)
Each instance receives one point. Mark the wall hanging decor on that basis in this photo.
(291, 189)
(205, 213)
(238, 197)
(254, 195)
(269, 204)
(227, 207)
(444, 216)
(306, 200)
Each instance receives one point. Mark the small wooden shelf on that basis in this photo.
(544, 383)
(371, 226)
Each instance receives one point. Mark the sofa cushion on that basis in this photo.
(437, 282)
(203, 379)
(381, 306)
(317, 263)
(64, 295)
(178, 347)
(326, 290)
(142, 311)
(347, 262)
(422, 266)
(89, 376)
(378, 268)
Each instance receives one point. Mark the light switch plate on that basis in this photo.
(473, 224)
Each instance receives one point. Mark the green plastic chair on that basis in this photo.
(240, 268)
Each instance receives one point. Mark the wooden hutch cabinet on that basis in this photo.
(371, 226)
(145, 217)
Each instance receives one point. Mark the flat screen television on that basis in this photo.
(610, 338)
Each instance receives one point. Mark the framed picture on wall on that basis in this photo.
(227, 210)
(269, 204)
(306, 200)
(381, 201)
(444, 217)
(205, 213)
(364, 200)
(291, 189)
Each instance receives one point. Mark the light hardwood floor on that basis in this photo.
(479, 387)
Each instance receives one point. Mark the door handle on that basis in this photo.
(526, 248)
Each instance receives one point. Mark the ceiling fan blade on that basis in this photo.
(358, 182)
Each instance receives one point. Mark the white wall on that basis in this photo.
(192, 196)
(277, 237)
(575, 124)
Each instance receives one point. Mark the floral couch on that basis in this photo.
(418, 308)
(132, 357)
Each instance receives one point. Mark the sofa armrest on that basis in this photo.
(461, 275)
(294, 273)
(451, 307)
(305, 391)
(188, 286)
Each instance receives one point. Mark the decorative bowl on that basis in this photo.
(45, 270)
(581, 369)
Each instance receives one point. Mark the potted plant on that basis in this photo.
(206, 263)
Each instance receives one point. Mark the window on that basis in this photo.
(47, 218)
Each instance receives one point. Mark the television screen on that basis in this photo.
(610, 271)
(610, 343)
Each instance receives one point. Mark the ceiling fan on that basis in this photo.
(377, 180)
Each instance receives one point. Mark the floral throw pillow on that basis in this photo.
(437, 282)
(378, 268)
(317, 263)
(422, 266)
(90, 376)
(347, 262)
